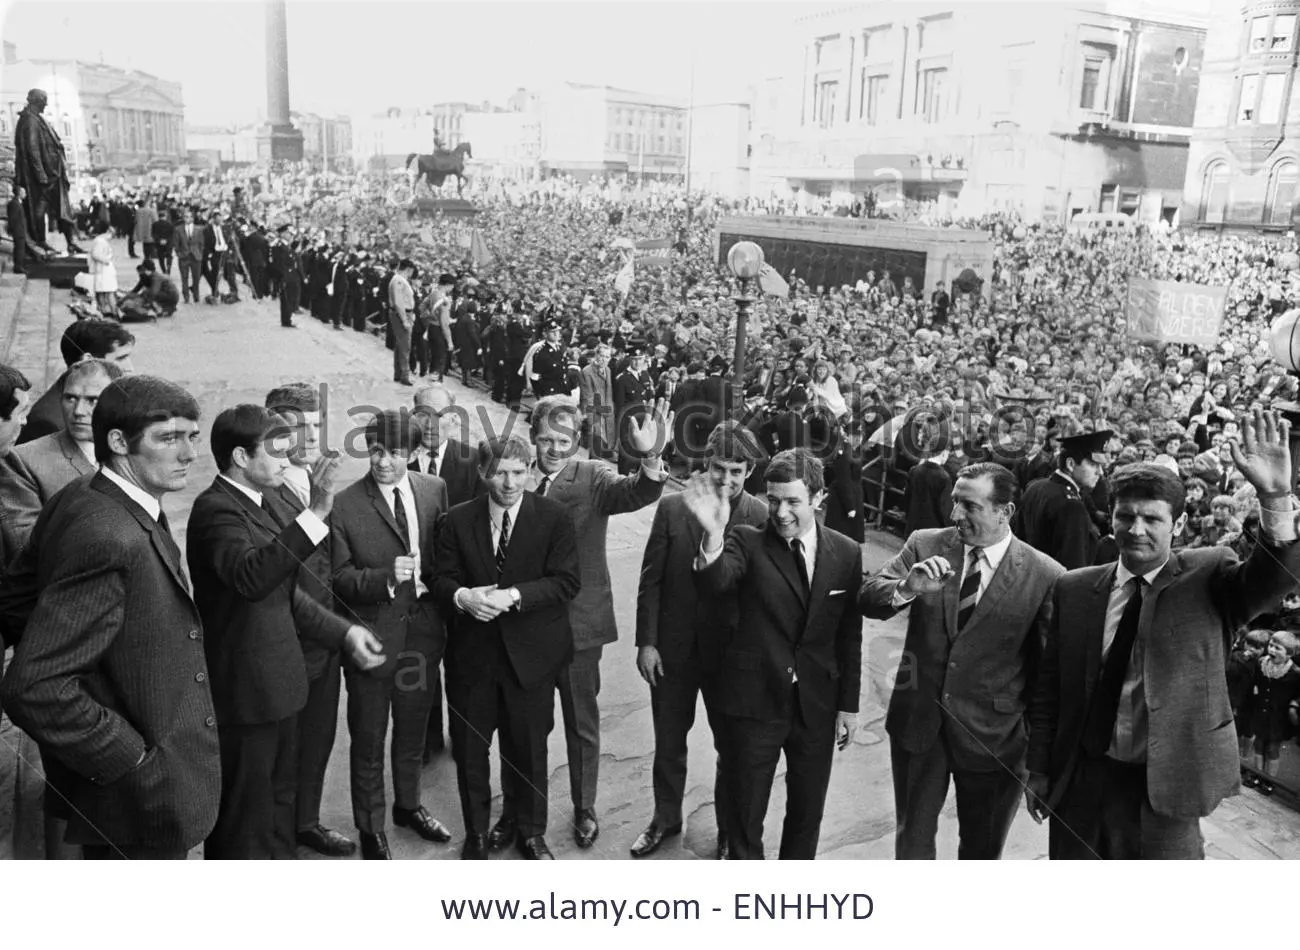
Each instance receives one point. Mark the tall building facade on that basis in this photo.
(1043, 108)
(385, 139)
(1243, 168)
(588, 131)
(107, 117)
(326, 140)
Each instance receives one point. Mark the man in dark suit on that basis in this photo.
(980, 603)
(188, 239)
(1132, 739)
(164, 234)
(218, 260)
(549, 364)
(385, 527)
(591, 494)
(457, 465)
(35, 471)
(257, 255)
(1053, 516)
(633, 397)
(508, 565)
(245, 550)
(680, 633)
(288, 274)
(298, 407)
(109, 676)
(16, 222)
(844, 507)
(791, 673)
(927, 499)
(84, 339)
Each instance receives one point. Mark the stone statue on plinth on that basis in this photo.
(41, 167)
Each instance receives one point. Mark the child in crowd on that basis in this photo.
(1242, 662)
(1274, 706)
(1222, 527)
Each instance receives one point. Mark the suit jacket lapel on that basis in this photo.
(483, 538)
(74, 454)
(1000, 586)
(820, 581)
(1096, 629)
(779, 551)
(168, 551)
(251, 510)
(521, 538)
(955, 553)
(381, 505)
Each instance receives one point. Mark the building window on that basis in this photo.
(1109, 194)
(828, 52)
(934, 35)
(930, 92)
(677, 145)
(1246, 102)
(871, 103)
(1094, 89)
(1281, 194)
(1215, 198)
(1283, 34)
(824, 106)
(875, 44)
(1272, 99)
(1258, 34)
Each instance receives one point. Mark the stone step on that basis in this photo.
(29, 341)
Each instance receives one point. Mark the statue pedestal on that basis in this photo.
(279, 143)
(61, 272)
(450, 207)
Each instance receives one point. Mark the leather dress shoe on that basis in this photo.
(534, 849)
(422, 823)
(724, 847)
(375, 847)
(502, 834)
(585, 828)
(475, 848)
(648, 841)
(326, 841)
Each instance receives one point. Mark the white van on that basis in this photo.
(1102, 221)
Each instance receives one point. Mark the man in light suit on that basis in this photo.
(457, 465)
(109, 675)
(680, 633)
(597, 389)
(86, 339)
(792, 671)
(33, 472)
(980, 602)
(244, 551)
(385, 527)
(508, 565)
(1132, 739)
(590, 493)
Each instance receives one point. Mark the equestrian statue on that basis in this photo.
(435, 168)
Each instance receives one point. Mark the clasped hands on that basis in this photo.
(485, 603)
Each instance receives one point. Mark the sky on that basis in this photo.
(356, 58)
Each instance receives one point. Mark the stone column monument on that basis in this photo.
(278, 140)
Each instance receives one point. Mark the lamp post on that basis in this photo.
(745, 259)
(1284, 346)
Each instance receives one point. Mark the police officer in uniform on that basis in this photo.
(550, 369)
(1053, 516)
(633, 396)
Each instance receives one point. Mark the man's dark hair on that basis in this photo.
(797, 465)
(406, 264)
(394, 430)
(240, 427)
(492, 451)
(731, 442)
(94, 337)
(551, 410)
(12, 382)
(1143, 481)
(1006, 490)
(132, 404)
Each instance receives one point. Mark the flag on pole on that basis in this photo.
(772, 283)
(480, 253)
(623, 282)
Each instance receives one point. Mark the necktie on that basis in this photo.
(796, 547)
(270, 512)
(399, 514)
(503, 542)
(173, 549)
(970, 588)
(543, 485)
(1100, 724)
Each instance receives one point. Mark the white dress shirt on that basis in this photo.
(430, 463)
(137, 494)
(315, 529)
(988, 566)
(299, 482)
(412, 525)
(495, 512)
(88, 450)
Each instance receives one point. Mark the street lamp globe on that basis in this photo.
(745, 260)
(1284, 340)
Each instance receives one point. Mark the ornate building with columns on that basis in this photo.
(1044, 108)
(1244, 166)
(108, 117)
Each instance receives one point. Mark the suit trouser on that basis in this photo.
(754, 748)
(289, 300)
(987, 802)
(672, 707)
(317, 729)
(433, 737)
(164, 258)
(419, 361)
(1106, 813)
(514, 381)
(406, 696)
(259, 783)
(524, 719)
(190, 272)
(579, 687)
(401, 347)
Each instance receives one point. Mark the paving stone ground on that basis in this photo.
(231, 354)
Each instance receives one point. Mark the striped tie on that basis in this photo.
(970, 588)
(503, 542)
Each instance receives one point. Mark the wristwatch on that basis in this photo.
(515, 597)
